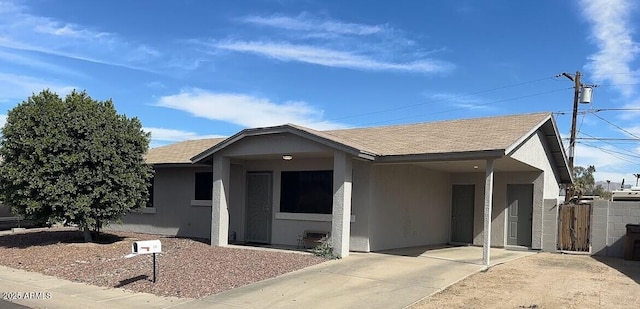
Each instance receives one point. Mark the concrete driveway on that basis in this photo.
(390, 279)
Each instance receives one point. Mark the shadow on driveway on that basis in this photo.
(629, 268)
(461, 254)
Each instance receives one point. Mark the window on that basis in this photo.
(204, 186)
(306, 192)
(151, 189)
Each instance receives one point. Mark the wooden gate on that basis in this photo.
(574, 227)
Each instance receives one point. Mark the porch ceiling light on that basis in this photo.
(475, 167)
(287, 157)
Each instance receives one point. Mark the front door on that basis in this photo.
(519, 214)
(462, 200)
(258, 207)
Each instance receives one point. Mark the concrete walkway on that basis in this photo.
(390, 279)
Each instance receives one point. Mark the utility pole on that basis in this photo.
(637, 177)
(578, 89)
(574, 117)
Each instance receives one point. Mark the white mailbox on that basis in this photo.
(146, 247)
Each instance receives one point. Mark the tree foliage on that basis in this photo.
(602, 192)
(584, 182)
(74, 160)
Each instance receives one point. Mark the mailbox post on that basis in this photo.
(146, 247)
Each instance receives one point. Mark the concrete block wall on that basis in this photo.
(608, 226)
(599, 227)
(549, 225)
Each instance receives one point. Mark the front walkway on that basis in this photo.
(392, 279)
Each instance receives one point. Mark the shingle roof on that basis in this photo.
(464, 135)
(488, 136)
(450, 136)
(180, 152)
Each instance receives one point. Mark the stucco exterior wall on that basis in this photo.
(174, 189)
(499, 211)
(361, 200)
(273, 144)
(535, 152)
(237, 199)
(284, 231)
(410, 206)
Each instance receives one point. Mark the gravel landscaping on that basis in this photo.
(187, 267)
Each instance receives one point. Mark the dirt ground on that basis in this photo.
(546, 280)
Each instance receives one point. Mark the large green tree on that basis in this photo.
(73, 160)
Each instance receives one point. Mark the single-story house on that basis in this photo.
(371, 189)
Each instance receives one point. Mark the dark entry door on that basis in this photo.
(520, 214)
(462, 200)
(258, 207)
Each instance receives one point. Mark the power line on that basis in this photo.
(604, 139)
(613, 151)
(614, 109)
(610, 152)
(616, 126)
(466, 107)
(440, 100)
(631, 154)
(596, 110)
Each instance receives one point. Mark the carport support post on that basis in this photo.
(488, 201)
(341, 219)
(219, 201)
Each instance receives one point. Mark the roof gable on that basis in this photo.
(310, 134)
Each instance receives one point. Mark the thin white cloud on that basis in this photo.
(155, 85)
(616, 177)
(602, 158)
(611, 31)
(22, 31)
(304, 22)
(331, 58)
(3, 120)
(33, 62)
(162, 135)
(329, 42)
(15, 88)
(608, 161)
(461, 101)
(246, 110)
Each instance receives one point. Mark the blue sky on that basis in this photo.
(195, 68)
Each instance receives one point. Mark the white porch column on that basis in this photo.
(220, 201)
(488, 204)
(341, 219)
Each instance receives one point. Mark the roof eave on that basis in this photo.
(446, 156)
(176, 164)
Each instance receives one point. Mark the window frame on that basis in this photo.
(311, 185)
(207, 186)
